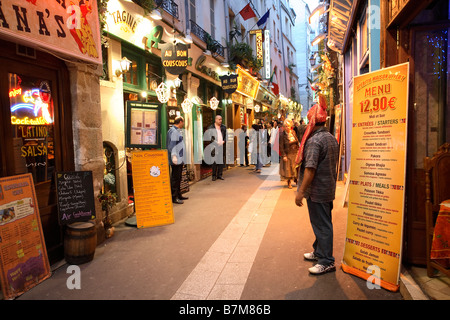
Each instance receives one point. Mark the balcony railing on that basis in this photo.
(212, 45)
(170, 7)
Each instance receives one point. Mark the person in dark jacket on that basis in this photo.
(218, 134)
(243, 146)
(176, 149)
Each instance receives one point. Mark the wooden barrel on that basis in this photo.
(80, 242)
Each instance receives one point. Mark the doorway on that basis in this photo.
(36, 134)
(429, 124)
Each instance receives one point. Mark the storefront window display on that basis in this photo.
(33, 126)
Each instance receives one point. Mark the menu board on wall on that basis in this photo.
(75, 195)
(23, 255)
(152, 193)
(143, 125)
(377, 181)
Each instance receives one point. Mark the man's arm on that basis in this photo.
(307, 180)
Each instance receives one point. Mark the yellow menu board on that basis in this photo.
(23, 255)
(377, 176)
(152, 194)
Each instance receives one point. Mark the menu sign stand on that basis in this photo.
(23, 255)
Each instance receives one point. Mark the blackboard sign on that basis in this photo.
(184, 186)
(229, 83)
(75, 195)
(174, 57)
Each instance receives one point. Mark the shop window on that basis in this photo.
(110, 169)
(363, 38)
(32, 119)
(152, 76)
(192, 9)
(131, 77)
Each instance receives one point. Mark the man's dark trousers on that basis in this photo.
(175, 181)
(217, 170)
(320, 217)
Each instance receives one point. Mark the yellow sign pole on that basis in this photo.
(377, 182)
(152, 193)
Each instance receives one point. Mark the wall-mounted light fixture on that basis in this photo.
(156, 15)
(124, 66)
(214, 103)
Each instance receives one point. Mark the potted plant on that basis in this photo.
(107, 200)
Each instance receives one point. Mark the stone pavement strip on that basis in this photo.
(223, 271)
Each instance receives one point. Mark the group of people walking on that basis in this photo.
(308, 156)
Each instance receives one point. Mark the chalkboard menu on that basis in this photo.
(75, 194)
(184, 186)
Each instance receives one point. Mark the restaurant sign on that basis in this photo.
(70, 28)
(247, 85)
(174, 57)
(229, 83)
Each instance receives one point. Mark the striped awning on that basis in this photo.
(339, 17)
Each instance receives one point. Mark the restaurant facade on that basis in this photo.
(50, 116)
(372, 35)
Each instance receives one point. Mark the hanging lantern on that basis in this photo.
(257, 108)
(214, 103)
(186, 105)
(163, 93)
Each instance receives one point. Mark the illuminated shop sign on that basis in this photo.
(259, 44)
(247, 85)
(31, 107)
(68, 27)
(174, 57)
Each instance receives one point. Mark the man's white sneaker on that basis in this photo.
(320, 268)
(310, 256)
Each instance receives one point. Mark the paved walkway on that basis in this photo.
(241, 238)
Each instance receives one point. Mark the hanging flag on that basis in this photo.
(247, 12)
(275, 89)
(263, 19)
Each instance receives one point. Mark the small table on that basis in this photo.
(440, 247)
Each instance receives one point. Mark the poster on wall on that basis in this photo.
(152, 193)
(373, 244)
(23, 255)
(71, 28)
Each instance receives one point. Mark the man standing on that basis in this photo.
(318, 156)
(243, 146)
(176, 148)
(218, 133)
(274, 143)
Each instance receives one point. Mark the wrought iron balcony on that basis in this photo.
(212, 45)
(170, 7)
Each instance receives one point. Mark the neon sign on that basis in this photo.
(15, 92)
(33, 101)
(29, 121)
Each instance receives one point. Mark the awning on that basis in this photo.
(339, 16)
